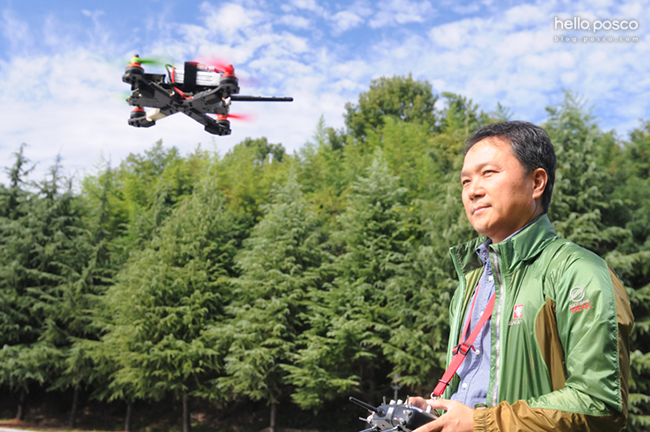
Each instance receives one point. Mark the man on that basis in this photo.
(555, 353)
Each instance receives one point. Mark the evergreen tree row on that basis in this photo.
(288, 279)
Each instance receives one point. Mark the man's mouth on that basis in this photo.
(479, 209)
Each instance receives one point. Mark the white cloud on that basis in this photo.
(16, 32)
(309, 5)
(295, 21)
(353, 16)
(507, 56)
(453, 35)
(231, 21)
(396, 12)
(526, 15)
(631, 10)
(518, 63)
(72, 111)
(466, 9)
(94, 15)
(345, 20)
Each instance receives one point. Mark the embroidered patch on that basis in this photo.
(578, 301)
(518, 312)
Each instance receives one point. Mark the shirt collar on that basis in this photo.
(484, 248)
(527, 243)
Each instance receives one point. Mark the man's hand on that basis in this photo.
(417, 402)
(458, 418)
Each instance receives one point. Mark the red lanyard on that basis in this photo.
(461, 350)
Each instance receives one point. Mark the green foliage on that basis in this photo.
(168, 296)
(461, 116)
(269, 309)
(351, 317)
(579, 198)
(325, 171)
(418, 334)
(401, 97)
(409, 153)
(43, 270)
(247, 174)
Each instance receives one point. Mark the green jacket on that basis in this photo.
(560, 334)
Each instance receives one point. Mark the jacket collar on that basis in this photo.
(525, 245)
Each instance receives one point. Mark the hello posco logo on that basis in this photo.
(578, 301)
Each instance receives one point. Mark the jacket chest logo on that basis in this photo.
(517, 315)
(578, 301)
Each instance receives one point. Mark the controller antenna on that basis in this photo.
(367, 406)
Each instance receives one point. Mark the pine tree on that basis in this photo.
(409, 153)
(43, 255)
(422, 290)
(247, 173)
(166, 299)
(269, 308)
(323, 172)
(351, 317)
(579, 194)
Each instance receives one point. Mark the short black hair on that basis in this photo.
(530, 144)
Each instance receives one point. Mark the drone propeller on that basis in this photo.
(158, 61)
(216, 65)
(242, 117)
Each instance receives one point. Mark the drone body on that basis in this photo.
(197, 91)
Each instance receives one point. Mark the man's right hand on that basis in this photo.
(418, 402)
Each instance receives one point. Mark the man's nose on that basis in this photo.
(475, 189)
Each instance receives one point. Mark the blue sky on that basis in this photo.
(61, 64)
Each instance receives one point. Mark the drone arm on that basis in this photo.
(216, 127)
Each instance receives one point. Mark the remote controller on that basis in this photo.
(394, 416)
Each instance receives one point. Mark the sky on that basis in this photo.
(61, 64)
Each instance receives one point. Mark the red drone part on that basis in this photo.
(215, 64)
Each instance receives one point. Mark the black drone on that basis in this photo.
(196, 91)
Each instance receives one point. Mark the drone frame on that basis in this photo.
(189, 97)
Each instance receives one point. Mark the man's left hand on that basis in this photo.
(458, 418)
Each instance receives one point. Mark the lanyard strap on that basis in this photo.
(461, 350)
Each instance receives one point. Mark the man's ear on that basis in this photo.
(540, 178)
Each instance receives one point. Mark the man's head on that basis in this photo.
(507, 177)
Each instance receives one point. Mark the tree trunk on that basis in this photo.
(20, 415)
(129, 413)
(73, 414)
(187, 426)
(274, 410)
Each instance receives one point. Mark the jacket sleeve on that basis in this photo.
(594, 321)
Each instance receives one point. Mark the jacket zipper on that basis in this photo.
(495, 388)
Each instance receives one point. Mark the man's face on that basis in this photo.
(498, 195)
